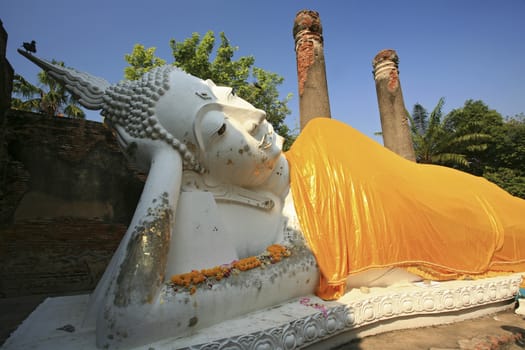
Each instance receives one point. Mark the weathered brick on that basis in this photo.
(68, 195)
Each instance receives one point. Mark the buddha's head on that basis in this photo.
(215, 131)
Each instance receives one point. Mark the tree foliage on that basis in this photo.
(475, 117)
(475, 139)
(50, 97)
(434, 144)
(503, 162)
(141, 60)
(512, 180)
(512, 150)
(196, 56)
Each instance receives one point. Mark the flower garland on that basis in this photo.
(191, 280)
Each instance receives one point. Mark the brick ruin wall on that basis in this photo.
(67, 195)
(6, 75)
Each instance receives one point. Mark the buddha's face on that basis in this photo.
(240, 145)
(233, 140)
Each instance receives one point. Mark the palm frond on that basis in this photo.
(477, 148)
(74, 111)
(32, 105)
(451, 159)
(51, 99)
(472, 137)
(23, 88)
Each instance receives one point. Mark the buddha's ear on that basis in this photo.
(280, 141)
(208, 121)
(212, 126)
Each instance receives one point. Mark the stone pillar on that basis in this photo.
(394, 121)
(6, 75)
(6, 87)
(311, 71)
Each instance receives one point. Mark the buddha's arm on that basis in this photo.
(144, 256)
(136, 273)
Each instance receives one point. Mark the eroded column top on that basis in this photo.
(307, 21)
(384, 62)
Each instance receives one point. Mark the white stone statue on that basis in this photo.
(215, 193)
(216, 197)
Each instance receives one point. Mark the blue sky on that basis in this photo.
(460, 50)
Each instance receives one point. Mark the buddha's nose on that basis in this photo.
(252, 119)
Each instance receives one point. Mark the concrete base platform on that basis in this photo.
(307, 322)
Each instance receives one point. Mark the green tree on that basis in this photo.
(507, 168)
(50, 97)
(475, 139)
(475, 117)
(141, 60)
(512, 153)
(511, 180)
(195, 56)
(434, 144)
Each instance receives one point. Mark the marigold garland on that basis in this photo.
(247, 263)
(191, 280)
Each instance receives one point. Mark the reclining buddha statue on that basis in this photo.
(227, 223)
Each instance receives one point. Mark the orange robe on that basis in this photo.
(362, 206)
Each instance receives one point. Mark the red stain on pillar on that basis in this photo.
(393, 80)
(307, 32)
(393, 75)
(305, 58)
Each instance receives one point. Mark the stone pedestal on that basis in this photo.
(302, 323)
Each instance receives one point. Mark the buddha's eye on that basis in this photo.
(222, 129)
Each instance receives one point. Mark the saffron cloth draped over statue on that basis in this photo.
(362, 206)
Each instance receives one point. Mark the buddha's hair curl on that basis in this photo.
(131, 104)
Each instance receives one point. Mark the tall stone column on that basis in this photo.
(6, 74)
(394, 121)
(6, 87)
(311, 71)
